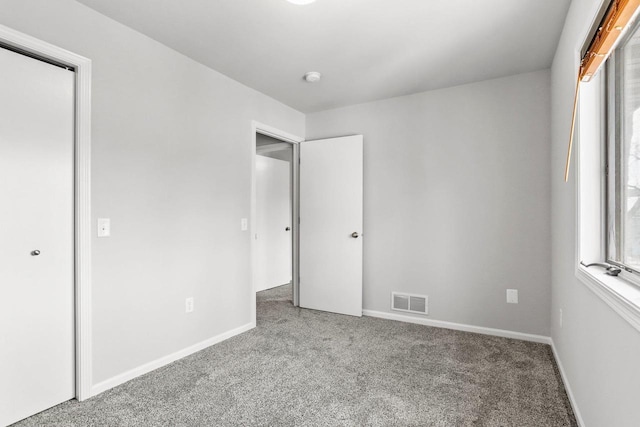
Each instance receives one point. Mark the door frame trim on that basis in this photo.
(261, 128)
(82, 193)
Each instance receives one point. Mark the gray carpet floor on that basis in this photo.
(309, 368)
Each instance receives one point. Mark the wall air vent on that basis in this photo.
(410, 303)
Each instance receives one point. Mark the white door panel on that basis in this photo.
(273, 217)
(36, 213)
(331, 198)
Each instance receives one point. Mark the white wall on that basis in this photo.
(274, 261)
(457, 199)
(597, 348)
(172, 144)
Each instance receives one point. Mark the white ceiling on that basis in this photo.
(365, 49)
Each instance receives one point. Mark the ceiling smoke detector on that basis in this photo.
(312, 76)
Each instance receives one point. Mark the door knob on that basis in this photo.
(287, 229)
(355, 234)
(35, 252)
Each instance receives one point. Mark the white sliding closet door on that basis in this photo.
(36, 236)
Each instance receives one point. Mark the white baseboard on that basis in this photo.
(148, 367)
(567, 386)
(458, 326)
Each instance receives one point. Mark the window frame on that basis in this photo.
(613, 226)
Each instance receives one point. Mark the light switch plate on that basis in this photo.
(104, 227)
(512, 296)
(244, 224)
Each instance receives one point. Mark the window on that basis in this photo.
(623, 154)
(608, 179)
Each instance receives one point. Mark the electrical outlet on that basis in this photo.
(512, 296)
(188, 305)
(561, 318)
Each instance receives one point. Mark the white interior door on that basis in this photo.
(273, 223)
(331, 224)
(36, 214)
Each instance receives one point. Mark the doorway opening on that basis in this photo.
(327, 196)
(274, 218)
(257, 131)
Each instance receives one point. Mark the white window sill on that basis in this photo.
(618, 293)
